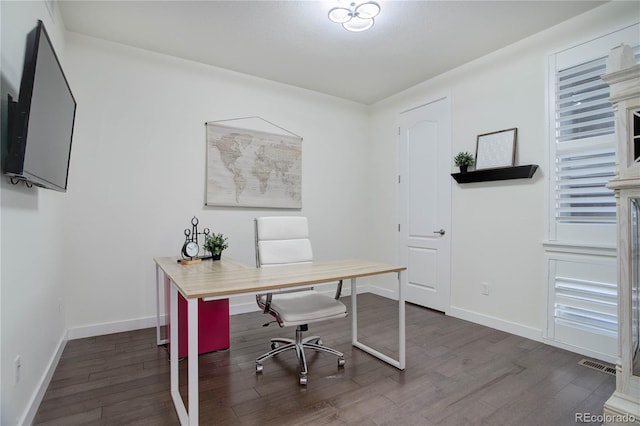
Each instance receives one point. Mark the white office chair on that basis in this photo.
(285, 241)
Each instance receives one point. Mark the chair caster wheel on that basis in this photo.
(341, 362)
(274, 345)
(303, 380)
(259, 368)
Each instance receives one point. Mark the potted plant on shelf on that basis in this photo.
(215, 244)
(463, 160)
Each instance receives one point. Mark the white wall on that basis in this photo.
(498, 227)
(32, 269)
(138, 171)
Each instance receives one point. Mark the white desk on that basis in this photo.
(225, 278)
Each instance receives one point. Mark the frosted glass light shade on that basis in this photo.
(339, 15)
(357, 24)
(367, 10)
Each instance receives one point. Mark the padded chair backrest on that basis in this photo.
(282, 240)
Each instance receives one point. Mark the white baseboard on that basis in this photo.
(110, 327)
(379, 291)
(497, 323)
(524, 331)
(582, 351)
(32, 408)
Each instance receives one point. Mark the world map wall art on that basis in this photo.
(250, 168)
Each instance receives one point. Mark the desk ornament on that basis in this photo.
(191, 248)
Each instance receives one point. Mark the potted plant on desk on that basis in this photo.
(215, 244)
(463, 160)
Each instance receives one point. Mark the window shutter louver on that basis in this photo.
(582, 102)
(581, 191)
(584, 120)
(587, 305)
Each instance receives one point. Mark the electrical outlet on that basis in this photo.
(18, 365)
(485, 289)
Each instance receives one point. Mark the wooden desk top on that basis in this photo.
(228, 277)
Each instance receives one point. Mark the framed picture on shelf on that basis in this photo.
(496, 149)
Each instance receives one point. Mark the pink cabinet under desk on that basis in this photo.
(213, 325)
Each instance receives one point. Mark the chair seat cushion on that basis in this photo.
(304, 307)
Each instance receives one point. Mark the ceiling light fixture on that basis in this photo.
(357, 17)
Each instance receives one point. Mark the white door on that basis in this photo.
(425, 203)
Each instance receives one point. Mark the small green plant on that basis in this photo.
(464, 158)
(215, 243)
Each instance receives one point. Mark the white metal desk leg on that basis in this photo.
(158, 305)
(173, 356)
(354, 313)
(193, 360)
(402, 326)
(400, 362)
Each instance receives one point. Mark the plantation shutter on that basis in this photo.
(587, 305)
(585, 145)
(580, 254)
(583, 109)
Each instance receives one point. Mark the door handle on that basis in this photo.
(441, 232)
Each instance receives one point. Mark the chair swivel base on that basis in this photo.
(281, 344)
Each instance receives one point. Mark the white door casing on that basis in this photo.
(425, 202)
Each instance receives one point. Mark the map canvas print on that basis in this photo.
(251, 168)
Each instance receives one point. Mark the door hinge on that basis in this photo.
(398, 178)
(398, 131)
(398, 227)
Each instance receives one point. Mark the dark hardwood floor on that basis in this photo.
(458, 373)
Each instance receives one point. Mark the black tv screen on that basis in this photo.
(42, 120)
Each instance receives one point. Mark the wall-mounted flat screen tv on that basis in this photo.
(41, 121)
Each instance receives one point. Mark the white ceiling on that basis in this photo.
(293, 42)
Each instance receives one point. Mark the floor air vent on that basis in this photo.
(598, 366)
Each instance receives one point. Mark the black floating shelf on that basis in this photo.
(501, 173)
